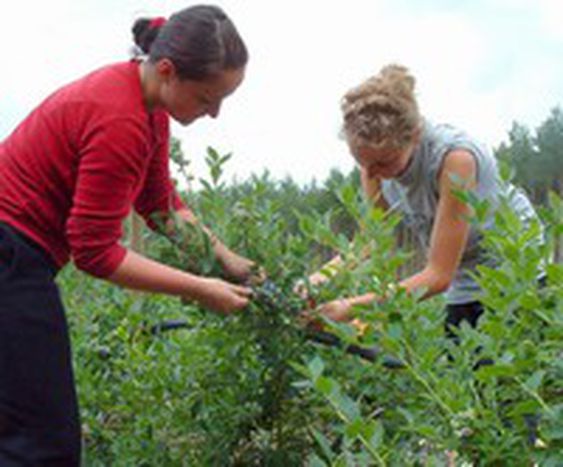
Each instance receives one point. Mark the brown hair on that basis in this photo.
(382, 111)
(201, 41)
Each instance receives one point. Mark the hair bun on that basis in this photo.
(157, 22)
(399, 79)
(382, 111)
(145, 31)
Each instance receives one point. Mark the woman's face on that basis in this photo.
(187, 100)
(383, 162)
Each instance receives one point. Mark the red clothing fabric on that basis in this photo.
(72, 170)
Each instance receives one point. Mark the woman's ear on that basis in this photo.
(165, 69)
(418, 133)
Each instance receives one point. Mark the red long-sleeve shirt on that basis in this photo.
(73, 169)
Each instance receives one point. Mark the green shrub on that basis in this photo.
(250, 390)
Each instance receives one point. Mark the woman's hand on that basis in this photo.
(302, 287)
(221, 296)
(341, 309)
(337, 310)
(318, 278)
(237, 267)
(301, 290)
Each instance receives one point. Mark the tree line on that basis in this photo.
(532, 157)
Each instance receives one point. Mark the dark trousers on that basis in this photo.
(39, 423)
(456, 314)
(470, 312)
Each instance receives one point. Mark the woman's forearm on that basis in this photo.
(140, 273)
(429, 281)
(326, 271)
(219, 248)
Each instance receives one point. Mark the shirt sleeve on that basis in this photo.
(158, 196)
(109, 170)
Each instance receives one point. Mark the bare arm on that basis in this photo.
(448, 240)
(451, 228)
(235, 266)
(140, 273)
(372, 190)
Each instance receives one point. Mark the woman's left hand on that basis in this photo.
(237, 267)
(337, 310)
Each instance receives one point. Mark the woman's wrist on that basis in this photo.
(222, 253)
(140, 273)
(365, 299)
(317, 278)
(195, 287)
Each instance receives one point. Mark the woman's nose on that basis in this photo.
(372, 170)
(213, 110)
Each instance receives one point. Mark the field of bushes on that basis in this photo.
(252, 389)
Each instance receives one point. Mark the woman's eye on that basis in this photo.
(204, 100)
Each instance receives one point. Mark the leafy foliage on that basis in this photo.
(536, 158)
(250, 390)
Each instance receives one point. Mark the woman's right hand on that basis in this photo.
(302, 287)
(221, 296)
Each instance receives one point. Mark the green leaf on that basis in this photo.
(530, 301)
(346, 405)
(325, 386)
(534, 382)
(316, 461)
(212, 154)
(354, 429)
(523, 408)
(373, 432)
(316, 368)
(324, 444)
(486, 372)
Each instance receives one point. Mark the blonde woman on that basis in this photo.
(411, 165)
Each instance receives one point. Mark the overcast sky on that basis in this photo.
(479, 64)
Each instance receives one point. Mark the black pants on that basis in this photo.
(39, 423)
(470, 312)
(456, 314)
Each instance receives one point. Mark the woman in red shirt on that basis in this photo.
(69, 175)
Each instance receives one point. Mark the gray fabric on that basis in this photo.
(415, 195)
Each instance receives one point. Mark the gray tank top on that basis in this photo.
(415, 195)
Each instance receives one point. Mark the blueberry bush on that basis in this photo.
(252, 389)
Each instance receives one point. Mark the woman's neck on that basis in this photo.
(149, 86)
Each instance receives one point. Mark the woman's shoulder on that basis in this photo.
(110, 96)
(447, 136)
(112, 89)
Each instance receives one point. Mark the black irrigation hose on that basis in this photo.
(371, 354)
(268, 292)
(169, 325)
(271, 295)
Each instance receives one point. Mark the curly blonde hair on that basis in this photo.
(382, 111)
